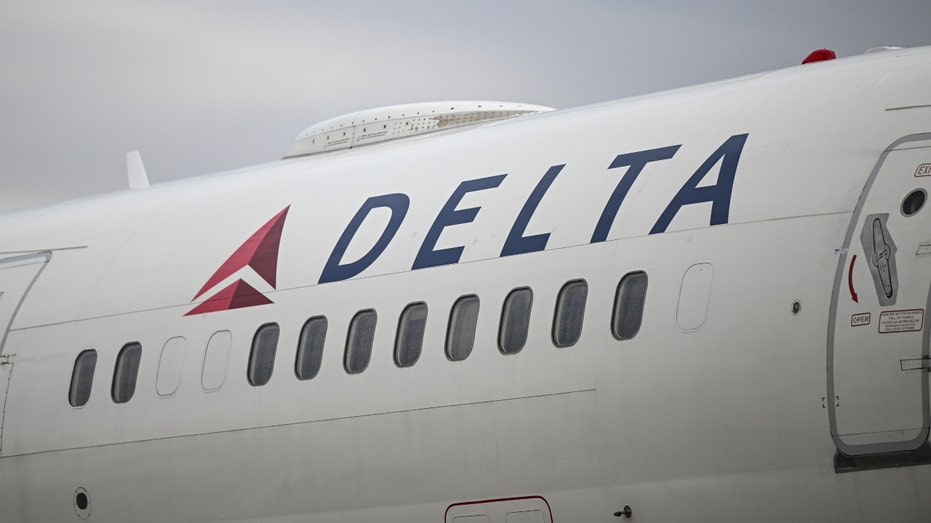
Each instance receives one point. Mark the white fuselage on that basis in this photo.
(729, 402)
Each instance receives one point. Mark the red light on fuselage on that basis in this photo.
(820, 55)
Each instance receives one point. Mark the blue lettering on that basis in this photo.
(333, 270)
(718, 194)
(516, 242)
(449, 215)
(636, 162)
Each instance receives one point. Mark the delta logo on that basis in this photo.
(260, 253)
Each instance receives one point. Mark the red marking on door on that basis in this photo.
(853, 293)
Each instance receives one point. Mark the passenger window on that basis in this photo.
(82, 377)
(262, 357)
(216, 359)
(515, 321)
(127, 368)
(310, 348)
(169, 367)
(411, 327)
(460, 335)
(570, 311)
(359, 342)
(628, 305)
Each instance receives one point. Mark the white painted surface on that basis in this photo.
(138, 179)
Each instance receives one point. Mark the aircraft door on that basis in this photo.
(17, 275)
(878, 336)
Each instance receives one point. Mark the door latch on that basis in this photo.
(880, 250)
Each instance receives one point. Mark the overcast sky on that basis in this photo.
(206, 86)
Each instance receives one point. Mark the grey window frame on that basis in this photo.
(365, 343)
(125, 372)
(308, 350)
(408, 343)
(629, 308)
(82, 378)
(263, 354)
(563, 321)
(455, 335)
(510, 322)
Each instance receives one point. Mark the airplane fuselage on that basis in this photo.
(725, 320)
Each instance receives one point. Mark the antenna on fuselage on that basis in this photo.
(137, 176)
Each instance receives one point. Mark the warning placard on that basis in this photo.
(909, 320)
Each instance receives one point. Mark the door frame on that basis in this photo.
(917, 443)
(6, 323)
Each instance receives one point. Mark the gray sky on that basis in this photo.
(205, 86)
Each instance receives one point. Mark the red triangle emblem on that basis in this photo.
(237, 295)
(260, 252)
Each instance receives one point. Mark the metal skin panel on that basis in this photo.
(728, 422)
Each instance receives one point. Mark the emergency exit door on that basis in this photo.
(17, 274)
(878, 336)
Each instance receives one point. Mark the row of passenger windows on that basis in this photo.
(513, 330)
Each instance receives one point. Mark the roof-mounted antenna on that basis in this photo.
(137, 177)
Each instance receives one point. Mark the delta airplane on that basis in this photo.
(700, 305)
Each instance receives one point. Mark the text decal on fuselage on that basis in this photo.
(258, 255)
(691, 192)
